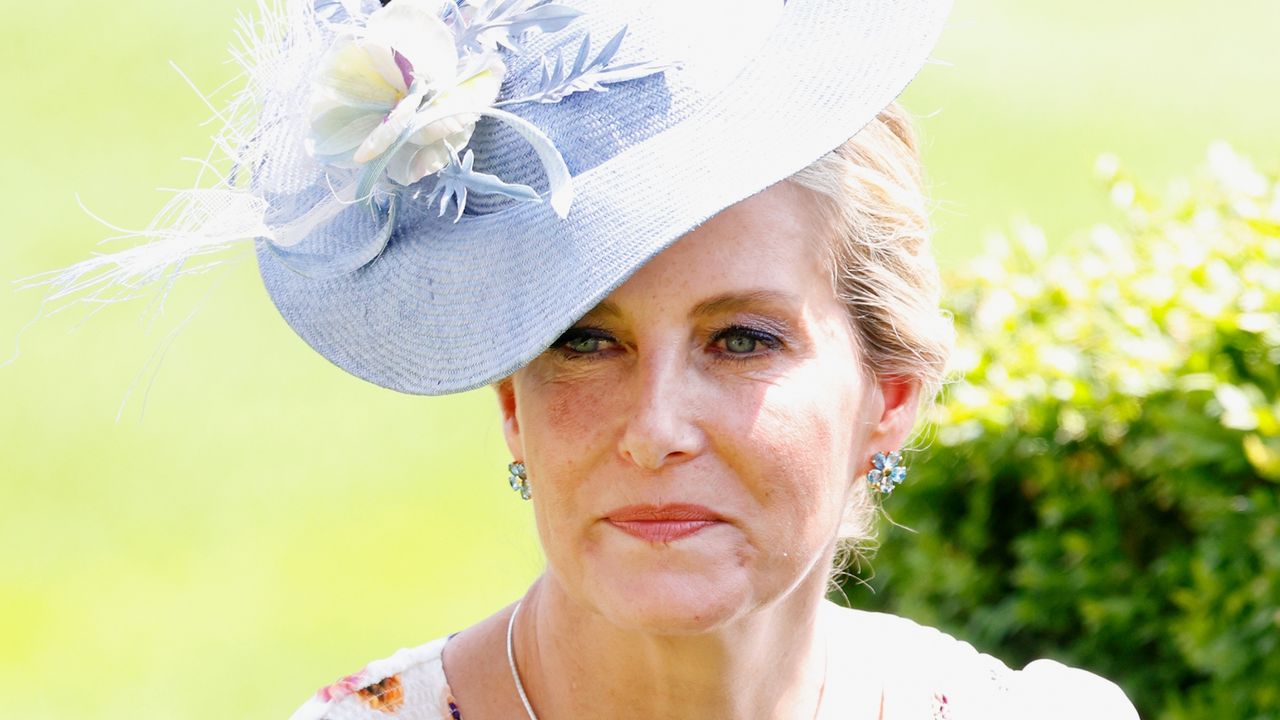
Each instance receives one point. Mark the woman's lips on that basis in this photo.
(662, 523)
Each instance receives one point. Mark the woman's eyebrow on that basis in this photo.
(744, 300)
(717, 305)
(607, 308)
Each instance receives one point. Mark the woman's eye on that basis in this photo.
(746, 341)
(582, 341)
(583, 344)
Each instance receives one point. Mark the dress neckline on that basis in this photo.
(857, 684)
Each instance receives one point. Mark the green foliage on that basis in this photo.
(1103, 484)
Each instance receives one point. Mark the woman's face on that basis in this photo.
(692, 442)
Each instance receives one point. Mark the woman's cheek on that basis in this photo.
(798, 440)
(568, 409)
(570, 403)
(568, 440)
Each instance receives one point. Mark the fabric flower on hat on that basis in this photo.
(399, 92)
(370, 86)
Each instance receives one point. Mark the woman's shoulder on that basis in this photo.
(925, 672)
(408, 685)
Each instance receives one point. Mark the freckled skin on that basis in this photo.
(754, 407)
(724, 373)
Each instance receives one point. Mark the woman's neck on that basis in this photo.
(575, 663)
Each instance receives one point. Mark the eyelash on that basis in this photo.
(769, 340)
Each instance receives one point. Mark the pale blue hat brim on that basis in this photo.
(450, 307)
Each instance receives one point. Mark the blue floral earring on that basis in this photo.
(519, 479)
(888, 472)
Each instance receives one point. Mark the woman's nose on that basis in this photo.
(660, 426)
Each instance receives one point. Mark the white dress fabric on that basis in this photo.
(880, 667)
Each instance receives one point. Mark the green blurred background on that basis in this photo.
(263, 522)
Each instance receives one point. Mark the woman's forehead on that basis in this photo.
(758, 253)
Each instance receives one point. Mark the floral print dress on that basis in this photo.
(893, 669)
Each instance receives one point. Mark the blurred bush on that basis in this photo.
(1102, 487)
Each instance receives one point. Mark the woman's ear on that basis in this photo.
(900, 397)
(510, 425)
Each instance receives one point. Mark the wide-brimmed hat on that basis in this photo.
(438, 189)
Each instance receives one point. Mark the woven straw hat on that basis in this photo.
(436, 190)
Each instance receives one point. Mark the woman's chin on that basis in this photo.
(669, 601)
(692, 584)
(670, 615)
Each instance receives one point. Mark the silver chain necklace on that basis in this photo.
(524, 698)
(511, 659)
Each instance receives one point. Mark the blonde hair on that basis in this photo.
(871, 191)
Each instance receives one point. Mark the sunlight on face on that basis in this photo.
(692, 441)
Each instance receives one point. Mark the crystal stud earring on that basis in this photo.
(887, 473)
(519, 479)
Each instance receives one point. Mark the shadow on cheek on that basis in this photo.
(564, 413)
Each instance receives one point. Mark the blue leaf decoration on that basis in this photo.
(504, 24)
(457, 178)
(559, 180)
(556, 83)
(547, 18)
